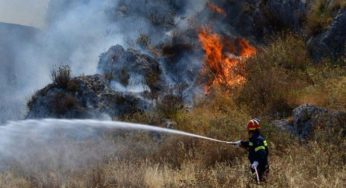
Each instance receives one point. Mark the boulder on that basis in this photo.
(308, 118)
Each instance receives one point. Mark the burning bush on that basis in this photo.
(214, 8)
(224, 58)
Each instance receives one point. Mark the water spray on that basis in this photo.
(70, 144)
(113, 124)
(50, 125)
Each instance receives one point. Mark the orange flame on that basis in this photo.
(226, 67)
(216, 9)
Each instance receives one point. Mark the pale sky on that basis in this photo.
(24, 12)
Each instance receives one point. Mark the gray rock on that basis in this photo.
(130, 71)
(283, 124)
(332, 42)
(286, 13)
(257, 19)
(307, 118)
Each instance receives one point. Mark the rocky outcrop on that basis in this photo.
(129, 82)
(285, 14)
(83, 97)
(307, 119)
(256, 19)
(130, 71)
(332, 42)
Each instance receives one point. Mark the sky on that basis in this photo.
(24, 12)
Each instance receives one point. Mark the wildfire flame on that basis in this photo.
(216, 9)
(221, 59)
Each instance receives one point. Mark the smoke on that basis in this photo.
(12, 37)
(76, 33)
(72, 36)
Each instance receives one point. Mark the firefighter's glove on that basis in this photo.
(254, 165)
(236, 143)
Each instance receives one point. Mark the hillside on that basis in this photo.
(207, 70)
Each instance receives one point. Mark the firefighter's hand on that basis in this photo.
(254, 165)
(236, 143)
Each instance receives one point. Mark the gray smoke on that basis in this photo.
(76, 33)
(74, 36)
(13, 39)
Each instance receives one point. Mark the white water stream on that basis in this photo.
(69, 144)
(49, 125)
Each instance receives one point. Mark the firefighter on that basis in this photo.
(257, 147)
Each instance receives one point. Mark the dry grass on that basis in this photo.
(282, 76)
(273, 74)
(311, 165)
(329, 90)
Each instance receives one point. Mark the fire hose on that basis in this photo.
(257, 176)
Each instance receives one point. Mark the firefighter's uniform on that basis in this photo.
(257, 147)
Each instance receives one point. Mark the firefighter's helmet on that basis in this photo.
(253, 125)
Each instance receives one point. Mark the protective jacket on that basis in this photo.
(258, 151)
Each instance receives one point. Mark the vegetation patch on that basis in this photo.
(321, 14)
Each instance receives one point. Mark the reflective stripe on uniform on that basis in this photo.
(259, 148)
(250, 144)
(265, 143)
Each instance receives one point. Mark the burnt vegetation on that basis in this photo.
(61, 76)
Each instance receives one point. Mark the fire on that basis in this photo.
(216, 9)
(221, 59)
